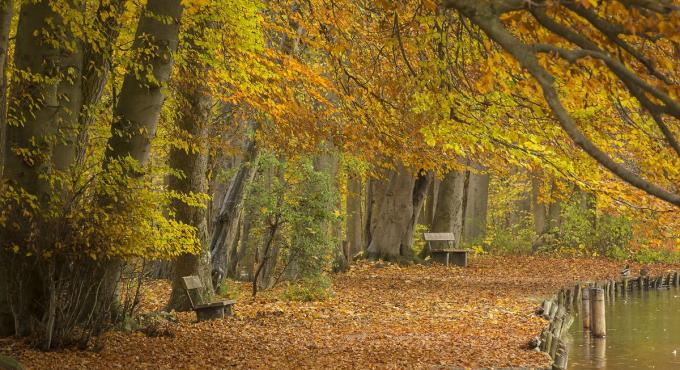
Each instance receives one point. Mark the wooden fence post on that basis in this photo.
(598, 324)
(585, 296)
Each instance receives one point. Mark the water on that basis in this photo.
(643, 331)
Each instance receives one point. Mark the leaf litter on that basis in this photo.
(381, 316)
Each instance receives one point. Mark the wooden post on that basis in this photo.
(640, 282)
(553, 310)
(577, 293)
(599, 352)
(646, 283)
(568, 298)
(567, 320)
(548, 342)
(547, 306)
(676, 281)
(598, 324)
(544, 340)
(561, 358)
(586, 308)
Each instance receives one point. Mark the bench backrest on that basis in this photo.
(445, 237)
(192, 282)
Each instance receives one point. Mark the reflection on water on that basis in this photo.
(643, 332)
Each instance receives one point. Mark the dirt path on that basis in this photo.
(381, 316)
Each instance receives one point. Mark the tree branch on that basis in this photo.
(672, 107)
(492, 26)
(401, 45)
(632, 81)
(612, 32)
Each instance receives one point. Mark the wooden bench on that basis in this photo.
(449, 255)
(206, 311)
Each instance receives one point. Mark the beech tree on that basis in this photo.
(115, 116)
(600, 36)
(448, 216)
(395, 206)
(57, 80)
(195, 104)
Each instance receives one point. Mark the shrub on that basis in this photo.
(225, 291)
(318, 288)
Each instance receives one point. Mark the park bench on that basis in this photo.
(448, 255)
(205, 311)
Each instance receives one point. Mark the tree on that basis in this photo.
(6, 12)
(448, 216)
(226, 229)
(607, 22)
(51, 280)
(39, 142)
(397, 200)
(476, 205)
(353, 225)
(191, 163)
(141, 97)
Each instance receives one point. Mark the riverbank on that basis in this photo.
(381, 316)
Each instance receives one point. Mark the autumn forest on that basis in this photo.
(327, 184)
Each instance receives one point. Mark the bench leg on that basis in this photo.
(212, 313)
(460, 259)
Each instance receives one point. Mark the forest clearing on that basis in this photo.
(346, 183)
(380, 316)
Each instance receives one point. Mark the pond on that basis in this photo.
(643, 332)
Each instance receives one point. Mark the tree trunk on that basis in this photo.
(476, 206)
(268, 257)
(391, 217)
(96, 67)
(327, 163)
(431, 202)
(141, 96)
(547, 217)
(6, 13)
(588, 203)
(225, 231)
(554, 215)
(354, 229)
(139, 102)
(539, 210)
(244, 260)
(423, 182)
(42, 120)
(448, 216)
(195, 104)
(218, 165)
(369, 202)
(522, 206)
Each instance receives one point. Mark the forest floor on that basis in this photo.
(380, 316)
